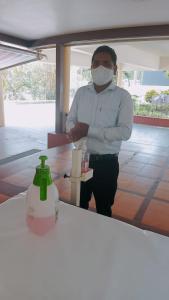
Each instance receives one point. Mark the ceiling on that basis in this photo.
(36, 19)
(27, 21)
(138, 55)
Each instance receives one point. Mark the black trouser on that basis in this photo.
(103, 185)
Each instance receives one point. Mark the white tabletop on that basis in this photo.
(86, 257)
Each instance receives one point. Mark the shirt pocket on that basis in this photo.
(84, 111)
(107, 115)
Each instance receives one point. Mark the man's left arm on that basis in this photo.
(122, 130)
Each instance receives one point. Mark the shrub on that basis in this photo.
(135, 99)
(151, 110)
(166, 92)
(150, 95)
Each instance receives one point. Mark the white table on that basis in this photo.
(86, 257)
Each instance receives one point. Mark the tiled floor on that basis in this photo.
(142, 198)
(15, 140)
(157, 216)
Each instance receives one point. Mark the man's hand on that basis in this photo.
(79, 131)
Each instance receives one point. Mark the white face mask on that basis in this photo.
(102, 75)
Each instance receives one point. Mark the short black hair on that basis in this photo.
(106, 49)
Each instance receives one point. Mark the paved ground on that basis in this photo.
(33, 115)
(33, 121)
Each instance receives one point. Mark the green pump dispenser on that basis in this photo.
(42, 177)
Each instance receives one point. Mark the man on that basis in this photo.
(103, 113)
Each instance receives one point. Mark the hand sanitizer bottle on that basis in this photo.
(42, 201)
(85, 162)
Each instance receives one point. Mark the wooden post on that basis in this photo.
(62, 86)
(120, 74)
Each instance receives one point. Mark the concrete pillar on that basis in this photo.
(62, 94)
(120, 74)
(59, 88)
(2, 118)
(66, 78)
(62, 85)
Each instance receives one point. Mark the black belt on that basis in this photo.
(103, 156)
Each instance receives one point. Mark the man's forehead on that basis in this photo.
(102, 55)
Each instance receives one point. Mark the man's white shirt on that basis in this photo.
(109, 115)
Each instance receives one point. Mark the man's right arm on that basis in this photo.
(75, 130)
(72, 116)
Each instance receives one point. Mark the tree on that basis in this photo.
(150, 95)
(34, 80)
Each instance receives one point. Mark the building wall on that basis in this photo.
(156, 78)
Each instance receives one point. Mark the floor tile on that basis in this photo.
(141, 185)
(136, 164)
(155, 160)
(125, 156)
(3, 198)
(23, 178)
(162, 191)
(151, 171)
(124, 181)
(164, 186)
(126, 205)
(132, 169)
(142, 157)
(166, 175)
(10, 189)
(135, 184)
(157, 215)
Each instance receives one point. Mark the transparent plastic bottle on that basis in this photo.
(85, 162)
(42, 201)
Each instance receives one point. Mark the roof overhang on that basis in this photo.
(11, 56)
